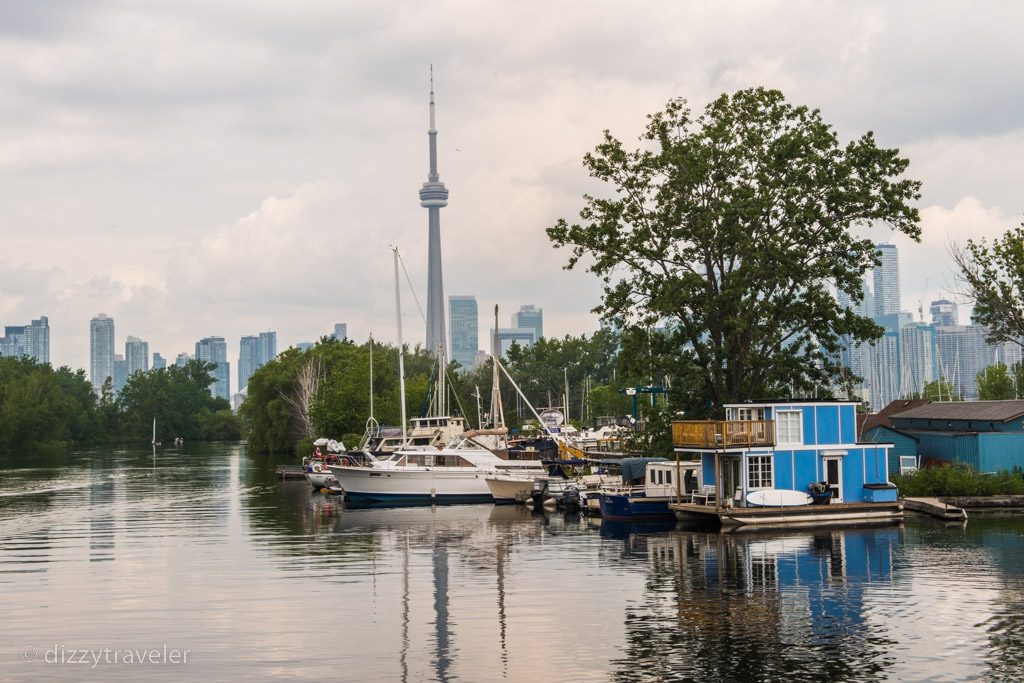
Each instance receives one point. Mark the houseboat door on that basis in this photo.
(731, 478)
(834, 477)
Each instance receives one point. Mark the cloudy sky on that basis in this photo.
(196, 167)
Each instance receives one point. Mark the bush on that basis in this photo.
(959, 479)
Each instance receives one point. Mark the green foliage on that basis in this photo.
(938, 390)
(994, 281)
(180, 400)
(219, 425)
(40, 406)
(995, 383)
(958, 479)
(735, 226)
(341, 404)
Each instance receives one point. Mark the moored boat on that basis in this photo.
(647, 497)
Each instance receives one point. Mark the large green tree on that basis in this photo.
(730, 230)
(993, 279)
(42, 406)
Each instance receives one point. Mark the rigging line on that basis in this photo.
(455, 394)
(412, 289)
(373, 301)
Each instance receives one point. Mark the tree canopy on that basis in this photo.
(180, 400)
(993, 279)
(730, 231)
(43, 407)
(997, 382)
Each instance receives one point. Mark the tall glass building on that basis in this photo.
(253, 353)
(248, 359)
(27, 340)
(215, 350)
(136, 355)
(887, 281)
(101, 351)
(530, 318)
(464, 329)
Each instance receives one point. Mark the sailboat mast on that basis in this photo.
(401, 350)
(371, 374)
(497, 411)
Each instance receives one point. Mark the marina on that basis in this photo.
(132, 549)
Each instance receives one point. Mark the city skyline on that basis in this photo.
(241, 187)
(914, 352)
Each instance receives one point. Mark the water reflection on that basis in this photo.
(762, 607)
(204, 548)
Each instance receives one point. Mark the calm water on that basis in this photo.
(202, 550)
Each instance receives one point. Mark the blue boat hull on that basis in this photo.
(364, 500)
(618, 506)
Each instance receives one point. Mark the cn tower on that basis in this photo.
(433, 196)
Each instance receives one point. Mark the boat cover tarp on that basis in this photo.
(634, 469)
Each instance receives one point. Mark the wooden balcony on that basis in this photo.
(723, 433)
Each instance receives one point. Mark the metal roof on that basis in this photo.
(986, 411)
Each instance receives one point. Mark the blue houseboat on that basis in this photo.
(786, 463)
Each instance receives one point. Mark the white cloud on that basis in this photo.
(193, 169)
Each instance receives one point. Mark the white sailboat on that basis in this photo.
(154, 441)
(426, 476)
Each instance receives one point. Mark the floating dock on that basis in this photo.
(290, 472)
(936, 508)
(834, 514)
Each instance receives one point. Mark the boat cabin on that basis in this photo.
(789, 445)
(667, 479)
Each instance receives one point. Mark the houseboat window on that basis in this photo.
(668, 477)
(789, 426)
(759, 472)
(750, 413)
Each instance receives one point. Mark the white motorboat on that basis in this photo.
(316, 467)
(427, 476)
(455, 474)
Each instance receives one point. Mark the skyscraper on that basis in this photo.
(27, 340)
(253, 353)
(159, 362)
(182, 359)
(341, 331)
(919, 360)
(248, 359)
(464, 330)
(136, 355)
(943, 313)
(433, 197)
(507, 337)
(268, 349)
(887, 281)
(215, 350)
(101, 351)
(120, 377)
(530, 317)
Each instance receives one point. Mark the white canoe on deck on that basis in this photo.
(778, 498)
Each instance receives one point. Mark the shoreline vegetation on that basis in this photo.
(325, 390)
(958, 480)
(42, 407)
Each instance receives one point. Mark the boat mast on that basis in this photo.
(497, 411)
(401, 351)
(371, 375)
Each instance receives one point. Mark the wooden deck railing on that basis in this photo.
(723, 433)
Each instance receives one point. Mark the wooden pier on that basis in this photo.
(935, 508)
(290, 472)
